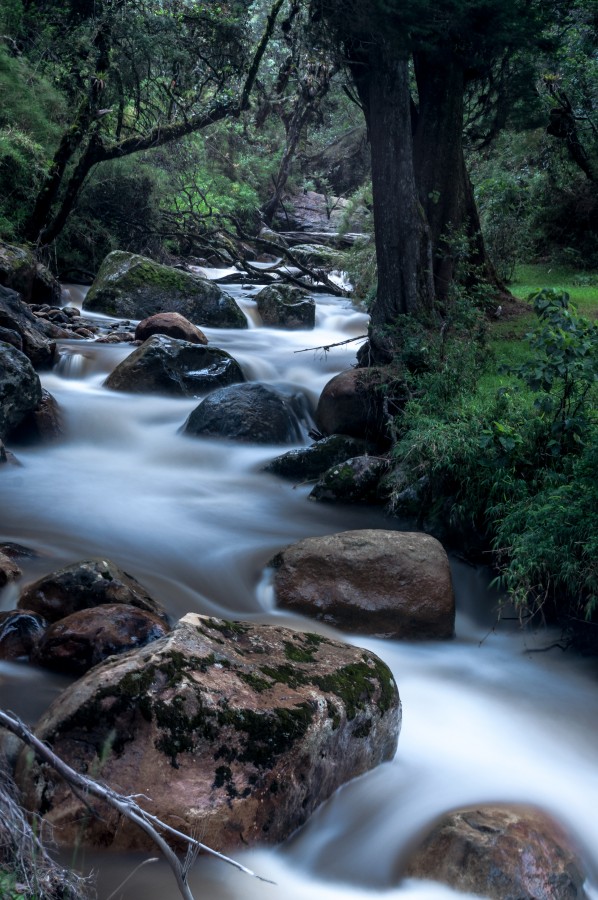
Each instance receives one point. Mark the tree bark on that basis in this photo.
(403, 247)
(444, 186)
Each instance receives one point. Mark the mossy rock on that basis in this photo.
(354, 480)
(20, 271)
(132, 286)
(286, 306)
(308, 463)
(235, 730)
(20, 388)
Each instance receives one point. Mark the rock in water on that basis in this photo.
(286, 306)
(172, 324)
(20, 388)
(83, 585)
(228, 730)
(387, 583)
(500, 853)
(167, 365)
(134, 287)
(252, 413)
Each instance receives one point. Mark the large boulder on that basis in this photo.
(344, 163)
(386, 583)
(167, 365)
(38, 337)
(134, 287)
(308, 463)
(85, 584)
(85, 638)
(500, 853)
(356, 402)
(20, 388)
(252, 413)
(20, 271)
(231, 730)
(172, 324)
(286, 306)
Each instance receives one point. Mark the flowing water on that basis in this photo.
(485, 720)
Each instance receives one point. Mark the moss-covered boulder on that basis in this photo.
(167, 365)
(308, 463)
(286, 306)
(20, 271)
(20, 389)
(387, 583)
(230, 730)
(354, 480)
(134, 287)
(318, 256)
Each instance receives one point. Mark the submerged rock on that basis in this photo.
(387, 583)
(85, 638)
(167, 365)
(85, 584)
(286, 306)
(20, 389)
(500, 853)
(132, 286)
(252, 413)
(231, 730)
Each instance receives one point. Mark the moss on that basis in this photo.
(269, 734)
(333, 714)
(289, 675)
(254, 681)
(363, 730)
(298, 654)
(181, 729)
(358, 684)
(227, 628)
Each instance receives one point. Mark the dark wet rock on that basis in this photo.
(355, 480)
(85, 584)
(286, 306)
(9, 570)
(116, 337)
(308, 463)
(344, 163)
(252, 413)
(387, 583)
(42, 423)
(20, 389)
(85, 638)
(20, 271)
(20, 630)
(10, 336)
(17, 551)
(38, 336)
(167, 365)
(171, 324)
(133, 286)
(235, 730)
(356, 402)
(500, 853)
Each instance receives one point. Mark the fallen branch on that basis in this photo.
(327, 347)
(125, 805)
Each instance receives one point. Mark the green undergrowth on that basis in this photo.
(496, 453)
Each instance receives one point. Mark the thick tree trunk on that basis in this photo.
(443, 183)
(403, 248)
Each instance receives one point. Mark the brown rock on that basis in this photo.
(353, 403)
(82, 640)
(82, 585)
(172, 324)
(500, 853)
(20, 630)
(9, 571)
(388, 583)
(234, 730)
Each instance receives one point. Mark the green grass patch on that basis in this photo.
(582, 287)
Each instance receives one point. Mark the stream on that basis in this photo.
(486, 718)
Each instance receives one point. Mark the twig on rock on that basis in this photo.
(124, 804)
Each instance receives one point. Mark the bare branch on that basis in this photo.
(125, 805)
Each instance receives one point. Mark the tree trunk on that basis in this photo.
(403, 248)
(444, 187)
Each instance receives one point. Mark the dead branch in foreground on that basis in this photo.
(126, 805)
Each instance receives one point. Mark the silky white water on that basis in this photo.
(485, 719)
